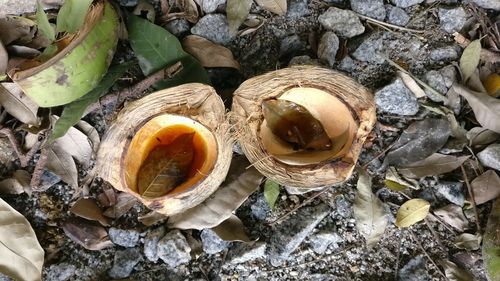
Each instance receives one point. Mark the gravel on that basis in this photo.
(177, 26)
(243, 252)
(60, 272)
(151, 243)
(452, 20)
(488, 4)
(344, 23)
(370, 50)
(447, 53)
(209, 6)
(260, 209)
(440, 80)
(174, 249)
(124, 263)
(213, 27)
(396, 15)
(297, 9)
(371, 8)
(451, 191)
(414, 270)
(396, 98)
(321, 241)
(328, 47)
(490, 156)
(124, 237)
(406, 3)
(291, 45)
(212, 244)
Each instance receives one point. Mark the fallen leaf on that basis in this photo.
(88, 209)
(17, 104)
(152, 218)
(453, 216)
(252, 24)
(486, 187)
(232, 229)
(481, 136)
(467, 241)
(295, 125)
(87, 234)
(90, 132)
(411, 212)
(208, 53)
(454, 273)
(77, 144)
(436, 164)
(22, 256)
(394, 181)
(419, 141)
(166, 167)
(412, 85)
(486, 108)
(124, 202)
(43, 23)
(491, 243)
(72, 15)
(271, 192)
(239, 184)
(237, 11)
(369, 213)
(61, 163)
(19, 183)
(492, 85)
(4, 59)
(470, 59)
(278, 7)
(15, 28)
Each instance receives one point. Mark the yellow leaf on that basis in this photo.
(411, 212)
(492, 85)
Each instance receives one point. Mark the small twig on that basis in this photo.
(39, 168)
(23, 158)
(137, 89)
(471, 193)
(486, 55)
(307, 201)
(426, 254)
(390, 25)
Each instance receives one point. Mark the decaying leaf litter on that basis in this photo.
(432, 172)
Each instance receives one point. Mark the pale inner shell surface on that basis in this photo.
(146, 139)
(332, 113)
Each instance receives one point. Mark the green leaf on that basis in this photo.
(43, 23)
(411, 212)
(271, 192)
(470, 59)
(73, 112)
(491, 243)
(72, 15)
(237, 11)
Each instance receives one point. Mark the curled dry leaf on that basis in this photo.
(420, 140)
(89, 235)
(22, 255)
(455, 273)
(60, 162)
(411, 84)
(77, 144)
(486, 108)
(481, 136)
(239, 184)
(453, 216)
(124, 202)
(486, 187)
(208, 53)
(88, 209)
(232, 229)
(470, 59)
(467, 241)
(394, 181)
(369, 212)
(252, 24)
(19, 183)
(90, 132)
(491, 243)
(17, 104)
(237, 11)
(436, 164)
(278, 7)
(411, 212)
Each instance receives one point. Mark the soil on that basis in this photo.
(259, 52)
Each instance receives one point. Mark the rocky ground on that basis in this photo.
(320, 240)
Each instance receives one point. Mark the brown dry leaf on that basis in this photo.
(124, 202)
(77, 144)
(89, 235)
(278, 7)
(189, 11)
(17, 104)
(239, 184)
(88, 209)
(19, 183)
(208, 53)
(60, 162)
(152, 218)
(475, 83)
(295, 125)
(486, 108)
(454, 273)
(436, 164)
(412, 85)
(232, 229)
(486, 187)
(166, 167)
(481, 136)
(21, 255)
(453, 216)
(468, 241)
(411, 212)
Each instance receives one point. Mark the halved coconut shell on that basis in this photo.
(77, 68)
(345, 109)
(125, 146)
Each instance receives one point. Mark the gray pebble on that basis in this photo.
(328, 47)
(347, 64)
(177, 26)
(5, 278)
(451, 191)
(490, 156)
(414, 270)
(452, 20)
(343, 207)
(297, 8)
(441, 81)
(209, 6)
(260, 209)
(243, 252)
(444, 54)
(488, 4)
(124, 263)
(370, 8)
(124, 237)
(406, 3)
(344, 22)
(321, 241)
(151, 243)
(212, 244)
(396, 15)
(174, 249)
(291, 45)
(213, 27)
(396, 98)
(60, 272)
(370, 50)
